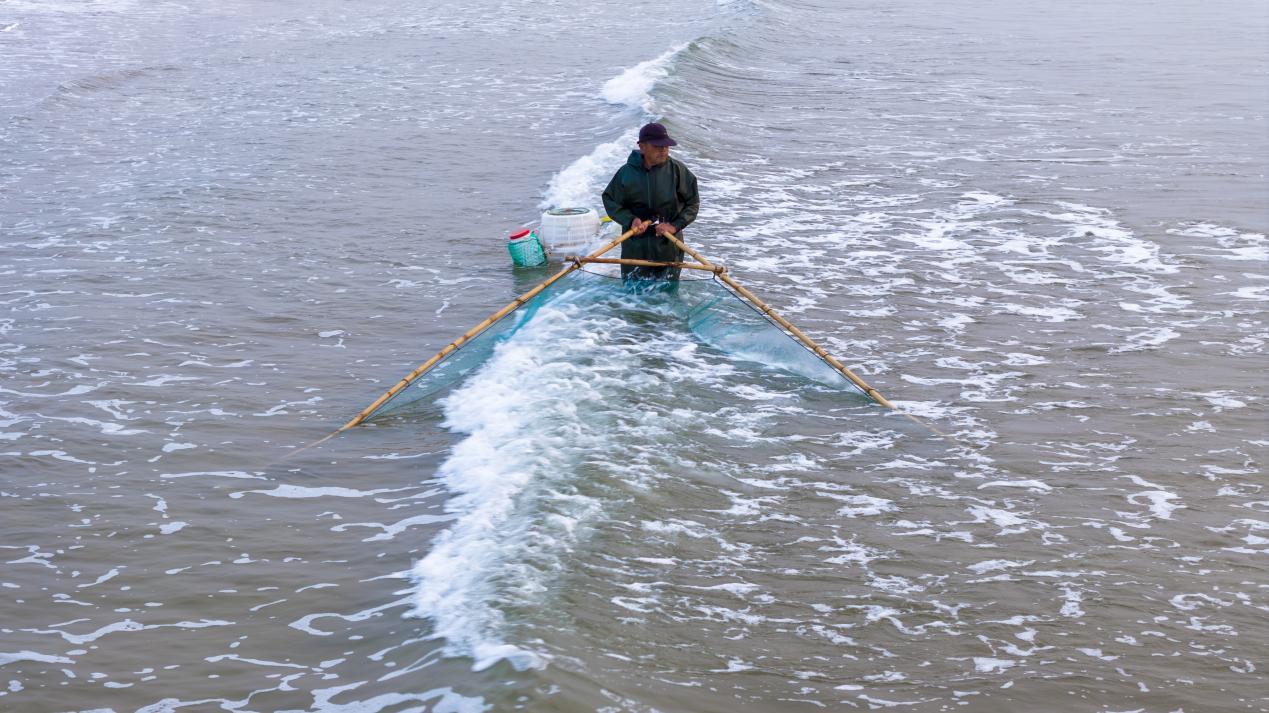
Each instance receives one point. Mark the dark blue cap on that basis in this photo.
(656, 135)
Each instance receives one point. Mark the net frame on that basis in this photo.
(702, 264)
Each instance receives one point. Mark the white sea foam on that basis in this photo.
(860, 505)
(1071, 607)
(1103, 234)
(1158, 501)
(985, 664)
(72, 391)
(851, 553)
(579, 184)
(1007, 521)
(215, 474)
(106, 427)
(633, 87)
(1148, 339)
(7, 658)
(388, 532)
(1258, 294)
(1028, 484)
(1234, 244)
(516, 513)
(994, 565)
(102, 6)
(301, 492)
(128, 625)
(1190, 602)
(103, 578)
(541, 407)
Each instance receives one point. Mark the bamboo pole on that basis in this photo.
(800, 336)
(454, 345)
(646, 263)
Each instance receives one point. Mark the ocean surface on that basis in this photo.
(226, 228)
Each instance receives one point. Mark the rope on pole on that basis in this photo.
(646, 263)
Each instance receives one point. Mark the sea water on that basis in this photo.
(227, 229)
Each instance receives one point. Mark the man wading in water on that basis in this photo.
(655, 195)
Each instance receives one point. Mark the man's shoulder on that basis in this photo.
(678, 165)
(626, 173)
(681, 171)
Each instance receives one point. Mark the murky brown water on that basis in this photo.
(227, 230)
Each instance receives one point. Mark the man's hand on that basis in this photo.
(665, 229)
(638, 226)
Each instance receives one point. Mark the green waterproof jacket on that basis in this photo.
(667, 193)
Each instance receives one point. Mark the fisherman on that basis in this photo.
(656, 195)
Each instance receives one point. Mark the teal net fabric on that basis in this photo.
(725, 321)
(716, 315)
(472, 355)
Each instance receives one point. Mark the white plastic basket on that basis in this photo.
(568, 231)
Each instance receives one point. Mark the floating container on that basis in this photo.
(568, 231)
(526, 249)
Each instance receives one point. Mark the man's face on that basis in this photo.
(654, 155)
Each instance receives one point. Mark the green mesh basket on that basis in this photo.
(526, 249)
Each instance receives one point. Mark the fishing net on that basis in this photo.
(715, 314)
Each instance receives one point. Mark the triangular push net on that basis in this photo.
(713, 313)
(730, 318)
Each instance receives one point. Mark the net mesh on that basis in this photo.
(715, 314)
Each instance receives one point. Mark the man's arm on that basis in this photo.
(690, 197)
(614, 204)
